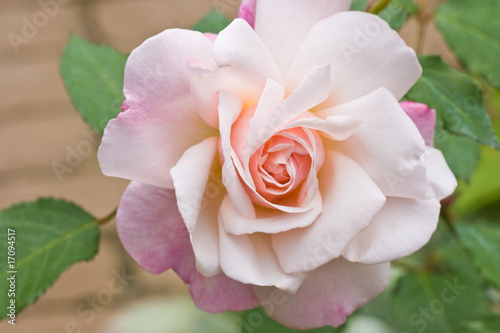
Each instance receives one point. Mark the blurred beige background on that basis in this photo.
(38, 126)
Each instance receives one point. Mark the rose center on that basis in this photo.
(281, 165)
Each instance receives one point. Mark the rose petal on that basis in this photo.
(149, 137)
(153, 233)
(312, 91)
(327, 296)
(337, 128)
(211, 36)
(229, 110)
(247, 11)
(151, 228)
(220, 293)
(267, 221)
(250, 259)
(190, 176)
(350, 201)
(199, 211)
(238, 46)
(401, 227)
(423, 117)
(207, 81)
(364, 53)
(283, 24)
(439, 175)
(272, 96)
(387, 144)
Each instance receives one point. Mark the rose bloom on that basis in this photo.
(272, 164)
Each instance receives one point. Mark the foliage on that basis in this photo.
(48, 237)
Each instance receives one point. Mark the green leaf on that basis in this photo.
(436, 298)
(257, 320)
(50, 235)
(458, 101)
(490, 324)
(93, 76)
(461, 153)
(472, 30)
(398, 12)
(214, 22)
(359, 5)
(483, 242)
(484, 187)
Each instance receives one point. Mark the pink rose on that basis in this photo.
(424, 117)
(275, 165)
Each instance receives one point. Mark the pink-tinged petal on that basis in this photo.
(424, 117)
(267, 220)
(312, 91)
(229, 110)
(439, 175)
(327, 296)
(243, 65)
(153, 233)
(337, 128)
(191, 176)
(161, 122)
(151, 228)
(346, 188)
(250, 259)
(387, 144)
(220, 293)
(272, 96)
(283, 24)
(401, 227)
(207, 81)
(364, 53)
(238, 46)
(247, 11)
(212, 37)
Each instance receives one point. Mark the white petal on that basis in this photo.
(364, 54)
(199, 196)
(239, 46)
(229, 110)
(387, 144)
(402, 227)
(350, 201)
(250, 259)
(312, 91)
(190, 176)
(337, 128)
(267, 220)
(439, 175)
(327, 296)
(283, 24)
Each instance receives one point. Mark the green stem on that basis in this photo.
(406, 267)
(422, 20)
(108, 218)
(379, 6)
